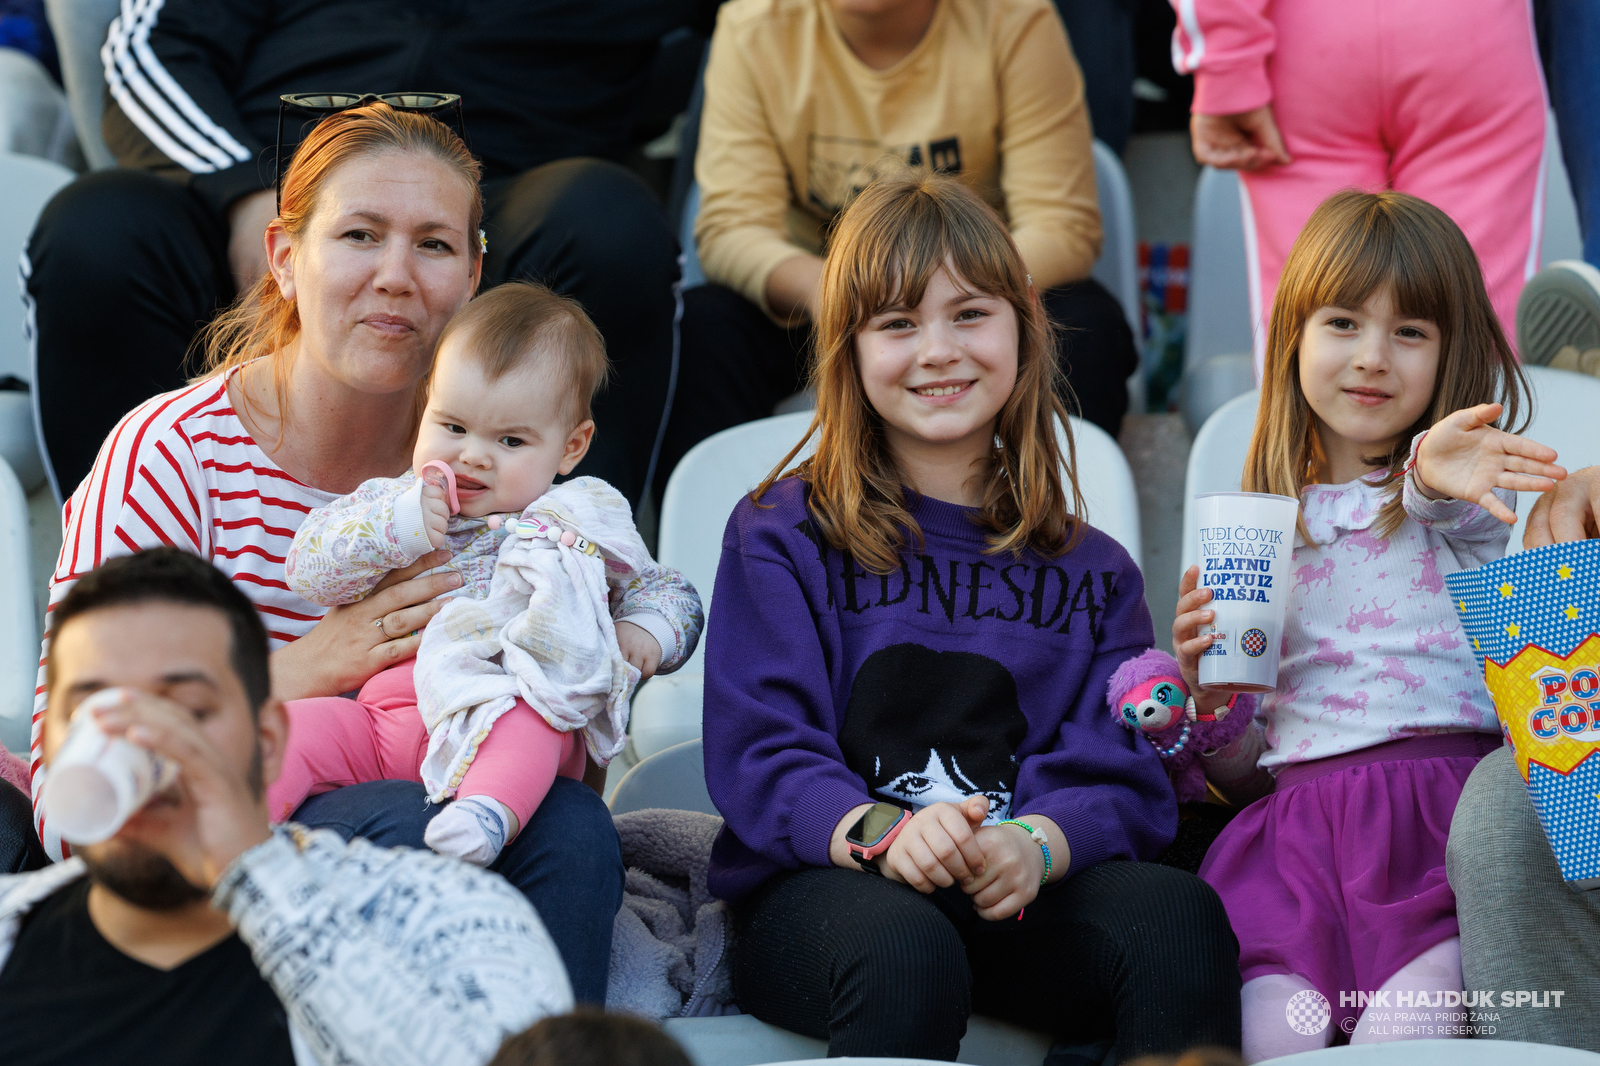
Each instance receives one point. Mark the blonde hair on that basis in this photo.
(1355, 244)
(504, 327)
(261, 322)
(888, 245)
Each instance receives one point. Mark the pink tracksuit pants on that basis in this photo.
(379, 736)
(1442, 99)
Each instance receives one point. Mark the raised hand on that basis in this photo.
(1465, 457)
(222, 812)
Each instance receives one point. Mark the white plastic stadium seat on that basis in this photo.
(26, 185)
(1219, 296)
(79, 27)
(704, 489)
(689, 257)
(709, 482)
(1118, 266)
(1106, 481)
(674, 779)
(19, 635)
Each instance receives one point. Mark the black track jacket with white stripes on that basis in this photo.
(192, 85)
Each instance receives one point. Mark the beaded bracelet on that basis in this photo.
(1038, 837)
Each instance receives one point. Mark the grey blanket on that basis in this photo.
(670, 946)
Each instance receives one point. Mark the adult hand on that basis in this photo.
(247, 228)
(1570, 511)
(223, 817)
(1464, 456)
(1189, 643)
(355, 641)
(1014, 868)
(1246, 141)
(639, 648)
(937, 848)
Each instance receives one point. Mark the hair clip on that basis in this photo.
(483, 242)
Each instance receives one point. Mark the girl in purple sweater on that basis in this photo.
(930, 810)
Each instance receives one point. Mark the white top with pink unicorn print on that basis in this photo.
(1372, 651)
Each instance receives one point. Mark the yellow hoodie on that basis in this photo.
(794, 124)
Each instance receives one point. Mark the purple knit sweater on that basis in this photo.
(828, 686)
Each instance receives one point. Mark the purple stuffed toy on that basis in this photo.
(1147, 693)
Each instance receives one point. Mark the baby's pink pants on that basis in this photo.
(379, 736)
(1443, 99)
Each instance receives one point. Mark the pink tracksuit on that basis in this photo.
(1443, 99)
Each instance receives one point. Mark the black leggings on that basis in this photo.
(127, 266)
(737, 363)
(1135, 952)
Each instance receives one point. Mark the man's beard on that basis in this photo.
(142, 877)
(146, 878)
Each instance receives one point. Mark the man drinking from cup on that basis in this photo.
(196, 933)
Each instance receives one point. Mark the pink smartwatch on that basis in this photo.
(871, 836)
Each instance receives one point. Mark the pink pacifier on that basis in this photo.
(449, 481)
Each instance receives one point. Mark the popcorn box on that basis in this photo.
(1534, 622)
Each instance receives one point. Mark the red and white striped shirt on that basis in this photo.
(181, 469)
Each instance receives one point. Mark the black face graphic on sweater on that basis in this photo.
(926, 726)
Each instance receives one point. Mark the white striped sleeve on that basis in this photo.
(145, 491)
(157, 101)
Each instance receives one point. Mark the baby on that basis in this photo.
(561, 608)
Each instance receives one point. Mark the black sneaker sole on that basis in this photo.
(1559, 308)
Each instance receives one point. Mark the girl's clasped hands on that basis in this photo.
(946, 844)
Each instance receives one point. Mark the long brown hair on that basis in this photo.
(888, 245)
(261, 322)
(1355, 244)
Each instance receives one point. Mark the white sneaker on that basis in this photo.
(1558, 318)
(473, 830)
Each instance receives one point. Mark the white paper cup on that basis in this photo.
(1246, 544)
(95, 783)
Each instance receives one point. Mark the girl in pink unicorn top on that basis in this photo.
(1335, 883)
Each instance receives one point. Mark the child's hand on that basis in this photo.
(1189, 643)
(639, 648)
(435, 511)
(937, 847)
(1464, 456)
(1013, 867)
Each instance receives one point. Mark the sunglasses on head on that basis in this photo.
(318, 106)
